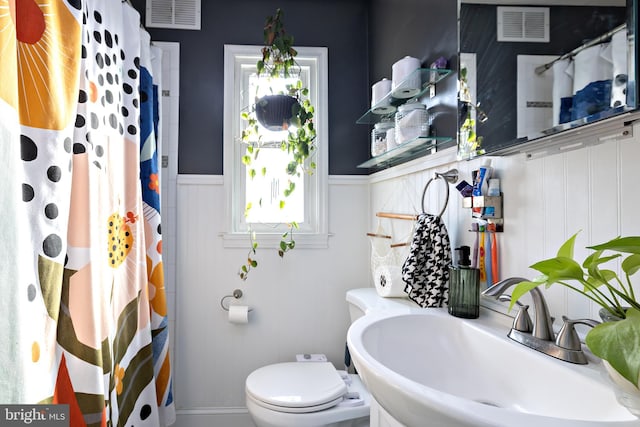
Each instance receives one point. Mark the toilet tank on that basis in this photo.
(365, 300)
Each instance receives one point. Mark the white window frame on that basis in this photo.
(313, 232)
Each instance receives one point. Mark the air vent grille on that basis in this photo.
(175, 14)
(523, 24)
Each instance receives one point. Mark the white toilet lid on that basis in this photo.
(297, 386)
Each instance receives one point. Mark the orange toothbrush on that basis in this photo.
(482, 258)
(494, 253)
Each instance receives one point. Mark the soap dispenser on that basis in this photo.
(464, 286)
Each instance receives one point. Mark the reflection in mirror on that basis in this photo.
(532, 71)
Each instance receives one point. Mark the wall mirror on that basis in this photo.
(535, 68)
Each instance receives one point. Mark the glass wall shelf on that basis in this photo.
(380, 111)
(405, 151)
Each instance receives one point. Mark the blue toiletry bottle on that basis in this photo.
(484, 173)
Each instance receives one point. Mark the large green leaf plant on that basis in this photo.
(617, 342)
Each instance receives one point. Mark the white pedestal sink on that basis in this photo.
(427, 368)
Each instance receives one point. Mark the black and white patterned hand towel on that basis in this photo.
(426, 269)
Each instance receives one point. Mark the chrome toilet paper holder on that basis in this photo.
(237, 294)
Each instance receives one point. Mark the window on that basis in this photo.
(307, 204)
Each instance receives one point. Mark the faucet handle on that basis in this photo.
(507, 298)
(522, 321)
(568, 337)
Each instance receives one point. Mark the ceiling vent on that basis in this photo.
(523, 24)
(175, 14)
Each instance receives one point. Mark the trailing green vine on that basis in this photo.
(279, 61)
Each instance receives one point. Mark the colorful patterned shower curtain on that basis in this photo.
(83, 310)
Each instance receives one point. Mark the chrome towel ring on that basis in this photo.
(449, 177)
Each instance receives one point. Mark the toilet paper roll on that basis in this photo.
(239, 314)
(405, 81)
(388, 281)
(379, 91)
(383, 109)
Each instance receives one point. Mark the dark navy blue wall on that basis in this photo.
(358, 54)
(424, 29)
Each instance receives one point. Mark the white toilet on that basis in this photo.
(315, 394)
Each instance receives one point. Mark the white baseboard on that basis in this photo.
(213, 417)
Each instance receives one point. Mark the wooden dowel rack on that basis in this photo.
(382, 236)
(410, 217)
(398, 245)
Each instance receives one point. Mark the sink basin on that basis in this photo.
(426, 367)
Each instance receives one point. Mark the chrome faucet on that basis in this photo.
(543, 326)
(542, 337)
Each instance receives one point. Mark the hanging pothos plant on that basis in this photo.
(289, 110)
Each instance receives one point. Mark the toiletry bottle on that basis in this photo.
(481, 180)
(465, 188)
(464, 287)
(480, 186)
(494, 187)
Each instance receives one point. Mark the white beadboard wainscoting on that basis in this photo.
(299, 303)
(592, 190)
